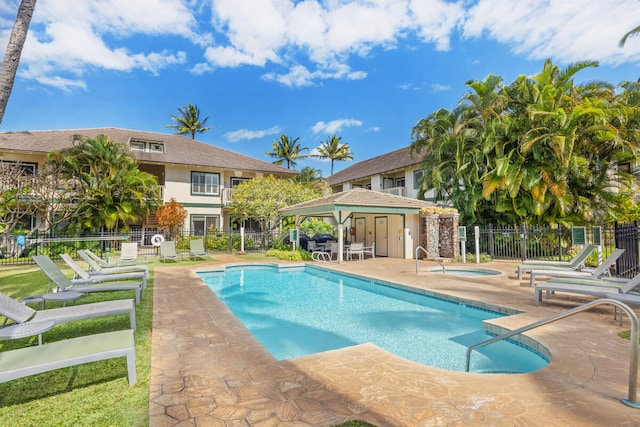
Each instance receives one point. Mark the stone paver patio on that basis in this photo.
(208, 370)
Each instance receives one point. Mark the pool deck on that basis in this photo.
(208, 370)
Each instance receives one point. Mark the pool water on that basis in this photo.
(296, 311)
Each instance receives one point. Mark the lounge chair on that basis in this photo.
(168, 251)
(97, 284)
(122, 263)
(95, 268)
(20, 313)
(83, 276)
(196, 249)
(576, 263)
(601, 288)
(33, 360)
(601, 271)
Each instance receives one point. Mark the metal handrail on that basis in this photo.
(633, 363)
(425, 252)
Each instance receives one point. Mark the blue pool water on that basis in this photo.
(295, 311)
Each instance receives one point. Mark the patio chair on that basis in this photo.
(20, 313)
(333, 249)
(196, 249)
(168, 251)
(356, 249)
(33, 360)
(600, 288)
(83, 276)
(122, 263)
(576, 263)
(371, 250)
(96, 268)
(95, 284)
(128, 252)
(601, 271)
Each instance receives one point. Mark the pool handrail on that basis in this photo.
(633, 363)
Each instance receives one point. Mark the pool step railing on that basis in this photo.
(633, 362)
(438, 260)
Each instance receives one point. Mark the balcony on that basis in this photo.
(226, 196)
(396, 191)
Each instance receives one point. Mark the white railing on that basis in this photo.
(396, 191)
(227, 193)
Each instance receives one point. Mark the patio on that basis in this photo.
(207, 369)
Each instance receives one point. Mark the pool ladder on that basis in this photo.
(438, 260)
(633, 363)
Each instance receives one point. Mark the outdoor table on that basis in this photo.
(23, 330)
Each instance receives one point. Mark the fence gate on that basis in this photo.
(627, 239)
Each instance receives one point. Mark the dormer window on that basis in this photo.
(146, 146)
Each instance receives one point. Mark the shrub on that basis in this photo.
(299, 255)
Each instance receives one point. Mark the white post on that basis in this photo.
(340, 241)
(242, 238)
(476, 231)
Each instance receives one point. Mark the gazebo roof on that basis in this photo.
(357, 200)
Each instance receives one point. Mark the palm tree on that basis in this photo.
(624, 38)
(332, 149)
(14, 51)
(287, 149)
(115, 190)
(188, 121)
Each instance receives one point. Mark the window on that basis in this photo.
(236, 181)
(207, 184)
(399, 182)
(200, 224)
(27, 168)
(137, 146)
(417, 174)
(156, 148)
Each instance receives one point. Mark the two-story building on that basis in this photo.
(199, 176)
(396, 172)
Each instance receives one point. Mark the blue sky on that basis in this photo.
(366, 70)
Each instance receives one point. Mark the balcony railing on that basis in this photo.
(396, 191)
(227, 193)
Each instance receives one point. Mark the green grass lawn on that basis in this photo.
(96, 393)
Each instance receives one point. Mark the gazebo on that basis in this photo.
(373, 207)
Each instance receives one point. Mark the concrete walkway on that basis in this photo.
(208, 370)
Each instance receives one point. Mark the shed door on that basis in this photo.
(382, 236)
(361, 231)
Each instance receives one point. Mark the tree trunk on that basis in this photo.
(14, 50)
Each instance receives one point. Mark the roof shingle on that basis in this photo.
(387, 162)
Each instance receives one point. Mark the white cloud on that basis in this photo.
(567, 31)
(68, 37)
(437, 87)
(334, 126)
(241, 134)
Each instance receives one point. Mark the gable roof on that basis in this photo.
(177, 149)
(398, 159)
(358, 200)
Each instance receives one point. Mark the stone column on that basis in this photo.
(449, 239)
(430, 235)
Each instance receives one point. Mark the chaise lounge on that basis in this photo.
(616, 289)
(601, 271)
(576, 263)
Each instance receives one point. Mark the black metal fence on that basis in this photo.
(558, 243)
(18, 249)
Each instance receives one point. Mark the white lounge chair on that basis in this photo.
(128, 252)
(85, 277)
(576, 263)
(95, 268)
(33, 360)
(601, 288)
(601, 271)
(122, 263)
(196, 249)
(20, 313)
(97, 284)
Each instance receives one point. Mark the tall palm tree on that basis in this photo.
(634, 32)
(14, 51)
(287, 149)
(332, 149)
(188, 121)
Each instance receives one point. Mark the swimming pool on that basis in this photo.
(296, 311)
